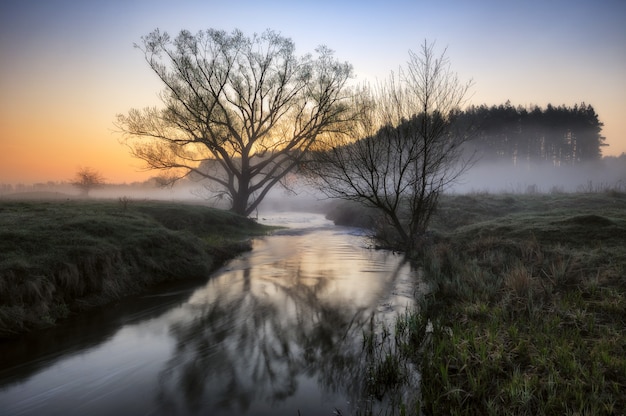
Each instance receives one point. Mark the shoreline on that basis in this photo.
(525, 312)
(61, 258)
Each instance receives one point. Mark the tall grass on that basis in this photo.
(389, 355)
(527, 307)
(59, 257)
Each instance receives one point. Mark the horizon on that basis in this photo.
(486, 176)
(68, 68)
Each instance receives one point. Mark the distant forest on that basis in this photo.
(558, 135)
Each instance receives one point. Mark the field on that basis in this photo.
(526, 313)
(60, 257)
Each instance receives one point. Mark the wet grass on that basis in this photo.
(527, 307)
(540, 336)
(391, 356)
(64, 256)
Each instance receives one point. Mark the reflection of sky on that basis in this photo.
(276, 331)
(357, 277)
(110, 376)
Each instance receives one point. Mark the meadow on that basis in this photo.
(526, 311)
(64, 256)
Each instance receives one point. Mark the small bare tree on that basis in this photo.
(239, 111)
(404, 150)
(87, 179)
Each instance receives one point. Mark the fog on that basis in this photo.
(63, 190)
(606, 174)
(298, 198)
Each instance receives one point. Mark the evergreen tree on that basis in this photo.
(559, 135)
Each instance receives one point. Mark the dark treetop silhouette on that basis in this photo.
(247, 107)
(404, 152)
(561, 136)
(87, 179)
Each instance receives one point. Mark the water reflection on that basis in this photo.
(268, 330)
(279, 331)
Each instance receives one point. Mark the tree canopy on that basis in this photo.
(239, 111)
(87, 179)
(404, 151)
(559, 135)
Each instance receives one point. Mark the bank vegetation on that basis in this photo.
(62, 257)
(526, 311)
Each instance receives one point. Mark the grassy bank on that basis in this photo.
(59, 257)
(527, 308)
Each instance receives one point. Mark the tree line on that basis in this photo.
(559, 135)
(244, 112)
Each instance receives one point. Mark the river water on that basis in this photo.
(276, 331)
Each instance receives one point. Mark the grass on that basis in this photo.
(526, 312)
(63, 256)
(527, 304)
(389, 356)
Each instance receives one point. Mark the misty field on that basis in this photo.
(526, 312)
(60, 257)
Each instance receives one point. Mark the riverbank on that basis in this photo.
(62, 257)
(527, 307)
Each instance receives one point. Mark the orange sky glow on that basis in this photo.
(67, 68)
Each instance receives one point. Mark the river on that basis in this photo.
(276, 331)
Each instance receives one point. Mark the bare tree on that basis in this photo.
(239, 111)
(404, 150)
(87, 179)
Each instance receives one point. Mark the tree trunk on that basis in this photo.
(241, 196)
(239, 205)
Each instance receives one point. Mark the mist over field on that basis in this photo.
(298, 198)
(608, 173)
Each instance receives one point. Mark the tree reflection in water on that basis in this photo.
(265, 337)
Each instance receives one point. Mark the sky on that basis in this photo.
(67, 67)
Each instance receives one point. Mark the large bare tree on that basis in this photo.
(239, 111)
(404, 150)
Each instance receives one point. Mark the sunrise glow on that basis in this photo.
(68, 69)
